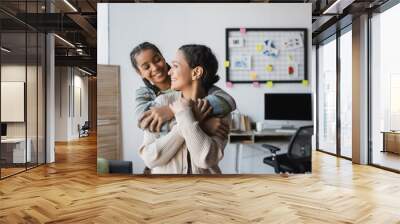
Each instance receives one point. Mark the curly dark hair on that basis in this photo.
(137, 50)
(201, 55)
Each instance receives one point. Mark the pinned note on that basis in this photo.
(290, 70)
(305, 82)
(253, 75)
(229, 85)
(269, 84)
(269, 68)
(256, 84)
(226, 64)
(242, 30)
(259, 47)
(290, 57)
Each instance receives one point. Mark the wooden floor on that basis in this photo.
(10, 171)
(387, 159)
(70, 191)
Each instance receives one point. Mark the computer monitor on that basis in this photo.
(288, 106)
(3, 129)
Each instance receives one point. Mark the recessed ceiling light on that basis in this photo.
(5, 50)
(70, 5)
(64, 40)
(84, 71)
(335, 7)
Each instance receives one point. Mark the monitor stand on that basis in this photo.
(288, 127)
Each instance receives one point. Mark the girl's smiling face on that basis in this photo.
(152, 66)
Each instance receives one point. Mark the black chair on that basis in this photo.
(298, 157)
(84, 130)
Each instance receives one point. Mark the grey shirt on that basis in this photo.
(220, 101)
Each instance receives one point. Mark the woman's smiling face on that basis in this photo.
(152, 66)
(180, 72)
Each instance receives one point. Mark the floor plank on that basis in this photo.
(69, 191)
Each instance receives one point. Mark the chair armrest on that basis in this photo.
(271, 148)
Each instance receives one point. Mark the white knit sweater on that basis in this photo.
(167, 154)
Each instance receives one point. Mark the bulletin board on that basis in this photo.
(265, 55)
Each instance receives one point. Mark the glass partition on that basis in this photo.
(41, 107)
(346, 94)
(385, 89)
(14, 153)
(23, 89)
(327, 96)
(31, 100)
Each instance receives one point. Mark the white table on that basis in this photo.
(270, 136)
(18, 145)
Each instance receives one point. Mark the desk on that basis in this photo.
(391, 141)
(269, 136)
(16, 147)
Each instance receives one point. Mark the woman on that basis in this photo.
(186, 149)
(151, 66)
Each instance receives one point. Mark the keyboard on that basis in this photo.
(286, 130)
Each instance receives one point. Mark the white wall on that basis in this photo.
(66, 81)
(61, 103)
(102, 33)
(171, 25)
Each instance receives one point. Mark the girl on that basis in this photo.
(151, 66)
(186, 149)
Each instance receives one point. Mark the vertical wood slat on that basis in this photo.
(92, 99)
(108, 112)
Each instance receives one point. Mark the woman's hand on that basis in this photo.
(201, 109)
(180, 105)
(154, 118)
(215, 126)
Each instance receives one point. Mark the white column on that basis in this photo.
(50, 100)
(360, 90)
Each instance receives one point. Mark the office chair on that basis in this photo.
(298, 157)
(84, 130)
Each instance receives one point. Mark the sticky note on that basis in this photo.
(290, 70)
(229, 84)
(253, 75)
(269, 68)
(290, 57)
(256, 84)
(269, 84)
(242, 30)
(226, 64)
(259, 47)
(305, 82)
